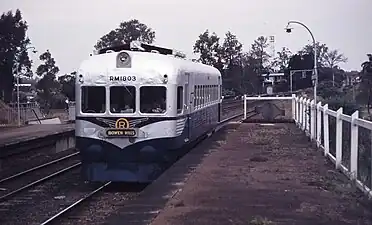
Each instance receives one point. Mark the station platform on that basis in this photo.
(14, 135)
(254, 174)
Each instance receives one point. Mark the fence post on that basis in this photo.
(307, 118)
(300, 112)
(326, 130)
(304, 115)
(318, 124)
(312, 120)
(245, 107)
(298, 109)
(354, 146)
(304, 105)
(304, 101)
(338, 138)
(294, 107)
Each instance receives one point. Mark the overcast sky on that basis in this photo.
(70, 28)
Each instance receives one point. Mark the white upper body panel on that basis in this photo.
(148, 68)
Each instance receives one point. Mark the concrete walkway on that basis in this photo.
(261, 175)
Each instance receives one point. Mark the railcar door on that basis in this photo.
(188, 104)
(220, 97)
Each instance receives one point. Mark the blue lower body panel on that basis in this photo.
(144, 161)
(140, 162)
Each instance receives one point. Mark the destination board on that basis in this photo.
(121, 133)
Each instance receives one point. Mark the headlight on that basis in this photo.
(123, 60)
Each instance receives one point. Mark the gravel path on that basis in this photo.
(266, 175)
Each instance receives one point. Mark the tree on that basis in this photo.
(13, 42)
(332, 59)
(282, 60)
(365, 94)
(322, 51)
(257, 59)
(208, 46)
(328, 61)
(67, 82)
(326, 90)
(128, 31)
(230, 57)
(231, 50)
(226, 57)
(258, 51)
(47, 86)
(367, 65)
(251, 79)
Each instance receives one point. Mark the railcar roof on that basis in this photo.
(106, 61)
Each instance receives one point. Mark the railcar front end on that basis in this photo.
(135, 116)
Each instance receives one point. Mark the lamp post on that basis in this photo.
(289, 30)
(17, 75)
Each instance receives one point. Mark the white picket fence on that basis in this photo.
(309, 116)
(319, 117)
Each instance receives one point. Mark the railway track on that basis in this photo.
(84, 198)
(44, 199)
(33, 158)
(62, 214)
(13, 185)
(42, 152)
(55, 200)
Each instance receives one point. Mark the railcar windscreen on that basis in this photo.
(153, 99)
(123, 99)
(93, 99)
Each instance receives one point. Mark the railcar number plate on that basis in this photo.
(123, 78)
(121, 133)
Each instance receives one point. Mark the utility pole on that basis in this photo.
(17, 74)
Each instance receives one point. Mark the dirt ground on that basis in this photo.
(261, 175)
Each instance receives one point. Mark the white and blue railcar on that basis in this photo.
(137, 107)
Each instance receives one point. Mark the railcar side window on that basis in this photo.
(220, 92)
(216, 92)
(123, 99)
(195, 96)
(179, 99)
(206, 94)
(209, 94)
(153, 99)
(202, 93)
(200, 96)
(213, 92)
(93, 99)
